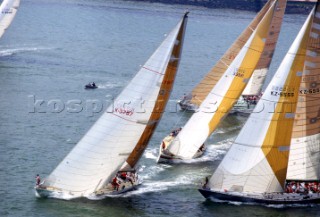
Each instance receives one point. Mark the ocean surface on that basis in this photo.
(54, 47)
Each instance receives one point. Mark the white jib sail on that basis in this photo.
(196, 130)
(8, 10)
(106, 146)
(245, 167)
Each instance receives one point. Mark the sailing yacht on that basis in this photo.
(8, 10)
(189, 143)
(252, 92)
(104, 160)
(287, 130)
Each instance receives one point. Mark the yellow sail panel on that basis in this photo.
(244, 72)
(277, 140)
(200, 92)
(162, 99)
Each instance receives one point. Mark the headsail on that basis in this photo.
(257, 160)
(304, 159)
(223, 96)
(201, 91)
(8, 10)
(125, 126)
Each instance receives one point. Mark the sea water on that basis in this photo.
(54, 47)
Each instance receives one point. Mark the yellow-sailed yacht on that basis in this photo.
(229, 82)
(282, 140)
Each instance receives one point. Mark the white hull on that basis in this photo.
(166, 157)
(109, 190)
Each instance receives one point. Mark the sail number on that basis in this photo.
(282, 94)
(310, 91)
(238, 72)
(6, 11)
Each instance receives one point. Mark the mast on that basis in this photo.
(201, 91)
(8, 10)
(257, 160)
(304, 159)
(102, 151)
(223, 95)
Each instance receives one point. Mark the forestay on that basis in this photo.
(109, 142)
(8, 10)
(257, 160)
(223, 96)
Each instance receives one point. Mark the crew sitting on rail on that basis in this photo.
(175, 132)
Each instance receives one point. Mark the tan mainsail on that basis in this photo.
(254, 87)
(161, 101)
(304, 160)
(200, 92)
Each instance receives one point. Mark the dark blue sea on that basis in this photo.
(54, 47)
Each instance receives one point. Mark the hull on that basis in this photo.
(108, 190)
(270, 198)
(90, 87)
(187, 106)
(243, 107)
(167, 157)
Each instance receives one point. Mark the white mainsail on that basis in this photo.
(257, 160)
(304, 159)
(107, 145)
(223, 95)
(8, 10)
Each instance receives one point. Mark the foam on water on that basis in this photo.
(109, 85)
(151, 153)
(12, 51)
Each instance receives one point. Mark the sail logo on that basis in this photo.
(124, 111)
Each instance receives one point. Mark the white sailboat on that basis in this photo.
(256, 166)
(189, 142)
(8, 10)
(115, 143)
(252, 92)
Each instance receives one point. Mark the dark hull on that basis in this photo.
(224, 197)
(90, 87)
